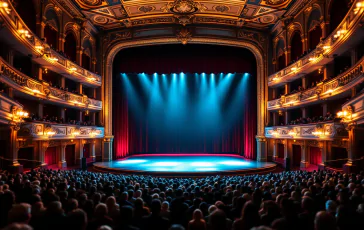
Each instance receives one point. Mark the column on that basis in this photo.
(329, 71)
(93, 153)
(63, 82)
(354, 56)
(10, 57)
(79, 151)
(62, 156)
(287, 117)
(353, 92)
(93, 65)
(39, 73)
(304, 42)
(323, 148)
(40, 25)
(287, 154)
(304, 112)
(275, 149)
(79, 55)
(261, 148)
(62, 114)
(79, 88)
(287, 88)
(352, 149)
(15, 166)
(304, 83)
(325, 26)
(275, 119)
(43, 146)
(324, 109)
(93, 117)
(61, 41)
(107, 148)
(304, 155)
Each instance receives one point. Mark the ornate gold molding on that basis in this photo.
(115, 48)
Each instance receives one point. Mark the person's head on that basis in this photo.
(78, 218)
(124, 196)
(212, 208)
(176, 227)
(165, 206)
(197, 214)
(217, 220)
(156, 207)
(104, 227)
(55, 208)
(20, 213)
(110, 202)
(325, 221)
(16, 226)
(101, 210)
(331, 206)
(126, 214)
(307, 204)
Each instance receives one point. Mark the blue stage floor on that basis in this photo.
(185, 164)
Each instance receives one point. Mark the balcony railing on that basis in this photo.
(333, 44)
(333, 87)
(34, 45)
(43, 131)
(22, 83)
(6, 108)
(320, 131)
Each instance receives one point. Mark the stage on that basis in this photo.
(185, 164)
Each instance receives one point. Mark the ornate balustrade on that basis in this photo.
(333, 87)
(7, 105)
(24, 84)
(333, 44)
(44, 131)
(43, 53)
(322, 131)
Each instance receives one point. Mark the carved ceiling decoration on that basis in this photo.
(111, 14)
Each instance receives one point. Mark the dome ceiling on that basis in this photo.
(110, 14)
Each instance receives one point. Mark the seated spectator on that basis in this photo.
(197, 223)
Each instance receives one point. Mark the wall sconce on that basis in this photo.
(72, 69)
(24, 33)
(294, 69)
(292, 133)
(19, 115)
(347, 114)
(75, 133)
(50, 134)
(359, 5)
(53, 59)
(35, 91)
(317, 133)
(339, 33)
(275, 133)
(326, 48)
(5, 6)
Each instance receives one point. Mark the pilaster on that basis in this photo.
(43, 146)
(323, 148)
(275, 149)
(93, 153)
(107, 150)
(352, 149)
(304, 155)
(15, 166)
(62, 156)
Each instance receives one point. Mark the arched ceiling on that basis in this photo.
(111, 14)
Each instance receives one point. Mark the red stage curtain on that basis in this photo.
(131, 135)
(315, 156)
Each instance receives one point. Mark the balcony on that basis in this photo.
(45, 131)
(347, 34)
(17, 35)
(41, 90)
(325, 90)
(7, 105)
(317, 131)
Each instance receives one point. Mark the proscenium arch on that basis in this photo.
(262, 85)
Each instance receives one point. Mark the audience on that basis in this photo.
(49, 199)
